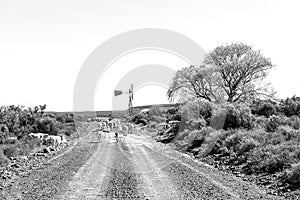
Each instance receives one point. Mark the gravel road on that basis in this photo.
(134, 168)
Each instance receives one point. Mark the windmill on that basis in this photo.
(130, 95)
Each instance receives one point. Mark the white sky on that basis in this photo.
(44, 43)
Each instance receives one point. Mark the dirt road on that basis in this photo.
(139, 168)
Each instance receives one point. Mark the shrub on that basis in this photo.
(238, 116)
(259, 122)
(27, 144)
(289, 133)
(271, 158)
(158, 119)
(156, 110)
(3, 133)
(138, 117)
(3, 160)
(294, 121)
(264, 109)
(291, 107)
(274, 122)
(68, 130)
(247, 145)
(152, 125)
(172, 111)
(45, 125)
(60, 118)
(293, 174)
(10, 151)
(176, 117)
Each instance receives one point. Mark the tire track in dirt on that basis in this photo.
(156, 184)
(86, 184)
(188, 169)
(122, 182)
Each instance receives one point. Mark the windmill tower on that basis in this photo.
(130, 97)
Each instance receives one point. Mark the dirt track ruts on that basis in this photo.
(136, 168)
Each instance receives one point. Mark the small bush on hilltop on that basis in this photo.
(291, 106)
(157, 119)
(157, 111)
(172, 111)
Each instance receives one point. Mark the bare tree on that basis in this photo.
(242, 71)
(231, 73)
(195, 82)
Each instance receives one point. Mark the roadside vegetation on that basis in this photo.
(17, 122)
(230, 118)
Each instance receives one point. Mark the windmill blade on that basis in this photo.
(118, 92)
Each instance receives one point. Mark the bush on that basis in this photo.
(259, 122)
(274, 122)
(291, 107)
(263, 109)
(172, 111)
(294, 121)
(272, 158)
(293, 174)
(238, 116)
(176, 117)
(240, 142)
(10, 151)
(60, 118)
(46, 125)
(152, 125)
(157, 111)
(3, 160)
(289, 133)
(158, 119)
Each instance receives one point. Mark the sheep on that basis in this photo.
(131, 128)
(145, 111)
(116, 122)
(124, 129)
(55, 139)
(110, 124)
(40, 136)
(58, 139)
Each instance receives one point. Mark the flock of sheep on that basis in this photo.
(53, 139)
(104, 125)
(115, 125)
